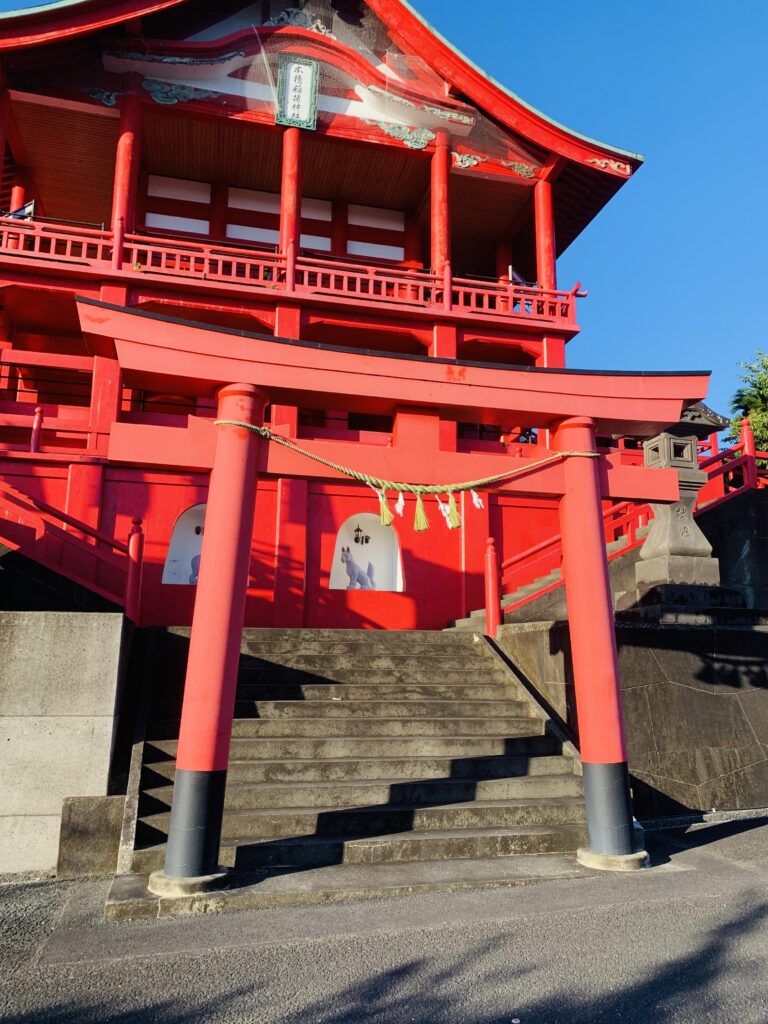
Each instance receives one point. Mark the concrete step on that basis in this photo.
(391, 792)
(392, 747)
(349, 675)
(341, 707)
(383, 691)
(468, 625)
(370, 769)
(387, 709)
(417, 663)
(264, 888)
(319, 728)
(406, 848)
(413, 846)
(353, 822)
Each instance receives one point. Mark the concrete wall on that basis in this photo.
(60, 679)
(695, 707)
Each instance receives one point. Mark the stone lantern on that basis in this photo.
(676, 551)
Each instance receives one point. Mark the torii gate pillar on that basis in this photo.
(191, 859)
(612, 844)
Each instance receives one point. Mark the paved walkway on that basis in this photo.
(686, 941)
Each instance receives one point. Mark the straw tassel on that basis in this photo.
(454, 519)
(420, 521)
(386, 516)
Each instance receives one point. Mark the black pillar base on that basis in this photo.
(195, 831)
(609, 809)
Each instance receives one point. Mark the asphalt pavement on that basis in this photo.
(685, 941)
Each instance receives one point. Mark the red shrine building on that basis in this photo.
(278, 284)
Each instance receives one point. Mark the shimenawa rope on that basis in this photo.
(420, 522)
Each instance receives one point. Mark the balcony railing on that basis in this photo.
(307, 275)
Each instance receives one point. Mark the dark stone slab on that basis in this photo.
(90, 836)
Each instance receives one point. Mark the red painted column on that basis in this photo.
(546, 269)
(214, 649)
(126, 173)
(747, 440)
(593, 646)
(18, 196)
(290, 202)
(440, 211)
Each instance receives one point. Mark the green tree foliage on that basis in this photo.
(752, 400)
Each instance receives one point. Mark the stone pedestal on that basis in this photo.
(676, 571)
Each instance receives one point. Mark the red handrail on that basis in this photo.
(25, 510)
(227, 263)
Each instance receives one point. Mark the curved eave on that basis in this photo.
(65, 19)
(489, 94)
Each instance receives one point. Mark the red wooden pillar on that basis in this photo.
(290, 202)
(747, 440)
(546, 270)
(440, 211)
(593, 651)
(214, 649)
(126, 175)
(503, 260)
(18, 195)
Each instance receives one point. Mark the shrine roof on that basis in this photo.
(66, 19)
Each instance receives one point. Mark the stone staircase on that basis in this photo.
(369, 748)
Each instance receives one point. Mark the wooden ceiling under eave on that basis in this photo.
(72, 158)
(236, 152)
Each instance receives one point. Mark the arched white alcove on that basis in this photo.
(382, 551)
(183, 559)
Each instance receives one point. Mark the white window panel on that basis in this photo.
(317, 209)
(248, 199)
(190, 224)
(315, 242)
(249, 234)
(378, 252)
(179, 188)
(372, 217)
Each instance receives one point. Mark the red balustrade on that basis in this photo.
(370, 283)
(224, 263)
(72, 548)
(41, 240)
(622, 520)
(201, 260)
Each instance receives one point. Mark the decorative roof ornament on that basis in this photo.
(524, 170)
(166, 58)
(169, 93)
(465, 161)
(611, 165)
(449, 115)
(297, 18)
(413, 138)
(109, 99)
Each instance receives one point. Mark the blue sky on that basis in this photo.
(675, 264)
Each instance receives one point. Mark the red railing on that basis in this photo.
(731, 472)
(209, 262)
(734, 470)
(39, 240)
(75, 550)
(223, 263)
(619, 521)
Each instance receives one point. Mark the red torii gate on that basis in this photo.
(248, 371)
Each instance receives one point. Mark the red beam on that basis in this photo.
(195, 359)
(193, 449)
